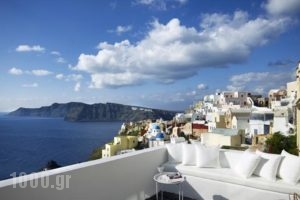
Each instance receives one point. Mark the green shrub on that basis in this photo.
(278, 142)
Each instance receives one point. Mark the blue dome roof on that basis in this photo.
(160, 136)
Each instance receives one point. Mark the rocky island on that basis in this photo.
(81, 112)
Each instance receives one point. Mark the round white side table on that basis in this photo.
(162, 178)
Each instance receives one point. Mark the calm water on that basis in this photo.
(26, 144)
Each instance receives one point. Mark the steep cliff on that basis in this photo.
(74, 111)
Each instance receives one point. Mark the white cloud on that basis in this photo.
(33, 85)
(77, 87)
(15, 71)
(218, 90)
(160, 4)
(27, 48)
(36, 72)
(156, 4)
(70, 77)
(192, 93)
(260, 82)
(73, 77)
(56, 53)
(146, 2)
(121, 29)
(41, 72)
(59, 76)
(282, 7)
(172, 51)
(60, 60)
(201, 86)
(114, 80)
(182, 1)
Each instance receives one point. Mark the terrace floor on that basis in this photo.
(168, 196)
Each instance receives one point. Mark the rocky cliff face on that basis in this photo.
(74, 111)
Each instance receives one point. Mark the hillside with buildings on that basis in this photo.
(231, 119)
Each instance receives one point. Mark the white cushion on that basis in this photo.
(170, 166)
(174, 152)
(247, 164)
(289, 169)
(207, 156)
(189, 154)
(232, 158)
(268, 165)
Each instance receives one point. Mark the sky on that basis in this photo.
(164, 54)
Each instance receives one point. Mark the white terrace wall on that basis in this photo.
(128, 176)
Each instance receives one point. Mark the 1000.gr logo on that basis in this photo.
(36, 180)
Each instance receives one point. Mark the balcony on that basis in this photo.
(130, 177)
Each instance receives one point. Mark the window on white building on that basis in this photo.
(255, 131)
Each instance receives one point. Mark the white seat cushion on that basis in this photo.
(207, 156)
(289, 169)
(189, 154)
(247, 164)
(170, 166)
(230, 158)
(268, 165)
(174, 152)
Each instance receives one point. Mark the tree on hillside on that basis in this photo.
(278, 142)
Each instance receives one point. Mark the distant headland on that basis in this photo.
(81, 112)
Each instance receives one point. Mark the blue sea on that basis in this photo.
(26, 144)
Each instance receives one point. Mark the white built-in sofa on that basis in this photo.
(217, 174)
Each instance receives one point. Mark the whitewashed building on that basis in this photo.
(232, 98)
(180, 118)
(260, 121)
(238, 119)
(282, 121)
(224, 137)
